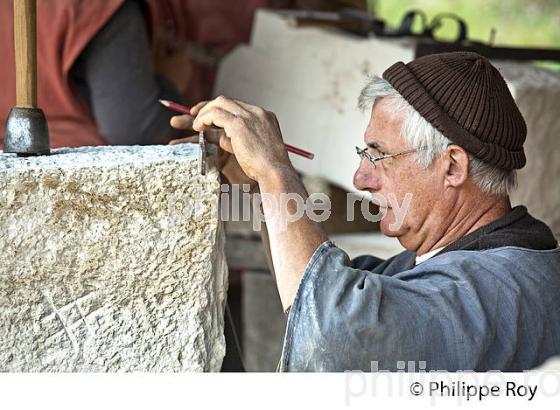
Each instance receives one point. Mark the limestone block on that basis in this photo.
(103, 268)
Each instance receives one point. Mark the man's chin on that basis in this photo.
(387, 231)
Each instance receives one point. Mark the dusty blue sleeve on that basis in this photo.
(350, 319)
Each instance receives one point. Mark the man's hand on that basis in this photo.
(251, 133)
(226, 162)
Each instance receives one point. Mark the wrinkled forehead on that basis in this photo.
(385, 124)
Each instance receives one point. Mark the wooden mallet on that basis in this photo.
(26, 131)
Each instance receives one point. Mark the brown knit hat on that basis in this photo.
(463, 96)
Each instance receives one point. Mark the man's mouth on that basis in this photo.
(382, 207)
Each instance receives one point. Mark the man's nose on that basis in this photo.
(366, 178)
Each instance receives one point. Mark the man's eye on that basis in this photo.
(375, 152)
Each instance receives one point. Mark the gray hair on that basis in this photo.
(417, 132)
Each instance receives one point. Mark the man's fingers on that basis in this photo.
(234, 106)
(185, 140)
(213, 135)
(225, 104)
(195, 110)
(182, 122)
(225, 143)
(248, 107)
(217, 116)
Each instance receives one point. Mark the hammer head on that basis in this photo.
(26, 132)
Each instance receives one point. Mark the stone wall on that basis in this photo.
(102, 267)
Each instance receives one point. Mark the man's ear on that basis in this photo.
(456, 162)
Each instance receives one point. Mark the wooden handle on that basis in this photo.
(25, 44)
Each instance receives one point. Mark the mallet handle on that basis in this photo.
(25, 44)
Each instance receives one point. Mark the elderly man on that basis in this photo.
(479, 283)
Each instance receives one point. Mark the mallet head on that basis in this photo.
(26, 132)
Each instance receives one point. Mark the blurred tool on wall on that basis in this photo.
(212, 28)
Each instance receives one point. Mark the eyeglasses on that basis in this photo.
(362, 153)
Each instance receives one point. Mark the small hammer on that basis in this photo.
(26, 131)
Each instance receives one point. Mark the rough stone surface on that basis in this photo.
(102, 269)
